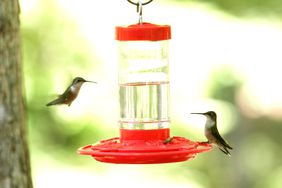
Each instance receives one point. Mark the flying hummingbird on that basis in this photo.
(212, 133)
(70, 93)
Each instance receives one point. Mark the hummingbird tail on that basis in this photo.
(50, 103)
(225, 151)
(54, 102)
(228, 146)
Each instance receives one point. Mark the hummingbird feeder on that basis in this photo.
(144, 101)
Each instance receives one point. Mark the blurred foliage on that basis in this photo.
(256, 141)
(54, 53)
(223, 84)
(245, 7)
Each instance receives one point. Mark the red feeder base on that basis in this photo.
(139, 147)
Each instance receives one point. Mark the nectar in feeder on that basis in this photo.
(144, 102)
(143, 76)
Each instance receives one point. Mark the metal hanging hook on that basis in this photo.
(139, 8)
(146, 3)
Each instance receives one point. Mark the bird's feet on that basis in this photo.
(206, 142)
(168, 140)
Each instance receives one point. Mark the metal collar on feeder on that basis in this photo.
(144, 101)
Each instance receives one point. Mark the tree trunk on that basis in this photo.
(14, 154)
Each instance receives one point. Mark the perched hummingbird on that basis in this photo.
(70, 94)
(212, 133)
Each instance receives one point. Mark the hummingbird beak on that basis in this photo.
(90, 81)
(199, 113)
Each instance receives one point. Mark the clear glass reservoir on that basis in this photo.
(143, 76)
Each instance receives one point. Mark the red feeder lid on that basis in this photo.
(144, 31)
(146, 149)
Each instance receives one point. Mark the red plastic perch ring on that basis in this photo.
(144, 149)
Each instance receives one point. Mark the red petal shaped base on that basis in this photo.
(144, 151)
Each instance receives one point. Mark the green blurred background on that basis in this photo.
(225, 55)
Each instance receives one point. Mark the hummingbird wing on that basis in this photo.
(68, 96)
(220, 140)
(62, 99)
